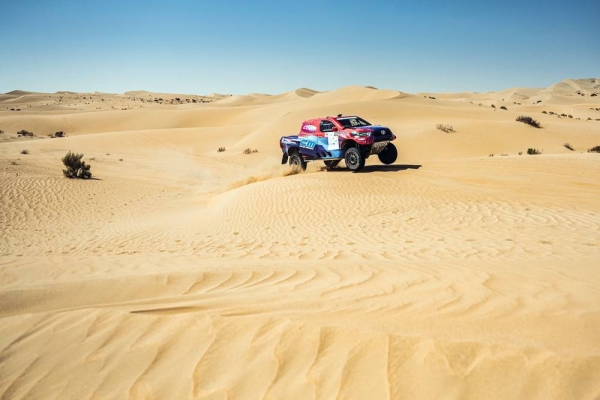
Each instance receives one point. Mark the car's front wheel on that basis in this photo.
(355, 161)
(297, 163)
(389, 154)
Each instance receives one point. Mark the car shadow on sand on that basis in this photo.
(379, 168)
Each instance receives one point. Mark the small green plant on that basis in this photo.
(76, 168)
(445, 128)
(24, 151)
(529, 121)
(568, 146)
(595, 149)
(221, 149)
(533, 151)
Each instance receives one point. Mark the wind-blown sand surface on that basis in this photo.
(183, 272)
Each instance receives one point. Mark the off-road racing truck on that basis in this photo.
(332, 139)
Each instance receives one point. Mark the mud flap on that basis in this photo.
(284, 159)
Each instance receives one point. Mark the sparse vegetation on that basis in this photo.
(250, 151)
(120, 159)
(544, 112)
(533, 151)
(14, 163)
(221, 149)
(24, 132)
(493, 106)
(445, 128)
(1, 132)
(568, 146)
(529, 121)
(595, 149)
(503, 154)
(24, 151)
(76, 168)
(520, 153)
(504, 108)
(491, 155)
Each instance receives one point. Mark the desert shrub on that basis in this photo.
(491, 155)
(445, 128)
(250, 151)
(24, 151)
(24, 132)
(504, 108)
(493, 106)
(595, 149)
(503, 154)
(520, 153)
(221, 149)
(528, 120)
(533, 151)
(1, 132)
(568, 146)
(120, 159)
(76, 168)
(544, 112)
(59, 134)
(14, 163)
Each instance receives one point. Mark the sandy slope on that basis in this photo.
(183, 272)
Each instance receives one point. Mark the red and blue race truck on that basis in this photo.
(333, 139)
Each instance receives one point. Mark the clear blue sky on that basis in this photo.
(275, 46)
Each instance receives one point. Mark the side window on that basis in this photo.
(326, 126)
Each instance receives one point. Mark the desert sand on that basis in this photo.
(467, 270)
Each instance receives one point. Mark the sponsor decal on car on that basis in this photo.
(308, 143)
(309, 128)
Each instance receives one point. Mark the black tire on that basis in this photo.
(355, 161)
(389, 154)
(331, 164)
(297, 163)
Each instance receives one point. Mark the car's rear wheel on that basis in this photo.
(330, 164)
(297, 163)
(355, 161)
(389, 154)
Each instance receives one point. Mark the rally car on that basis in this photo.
(333, 139)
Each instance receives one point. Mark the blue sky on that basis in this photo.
(271, 47)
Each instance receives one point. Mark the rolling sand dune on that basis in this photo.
(184, 272)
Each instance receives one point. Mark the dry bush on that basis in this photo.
(76, 168)
(445, 128)
(250, 151)
(568, 146)
(24, 151)
(533, 151)
(595, 149)
(504, 108)
(221, 149)
(529, 121)
(24, 132)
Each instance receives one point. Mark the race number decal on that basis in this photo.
(333, 142)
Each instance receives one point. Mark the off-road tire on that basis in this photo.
(355, 161)
(331, 164)
(389, 154)
(297, 163)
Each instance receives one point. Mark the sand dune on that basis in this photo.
(184, 272)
